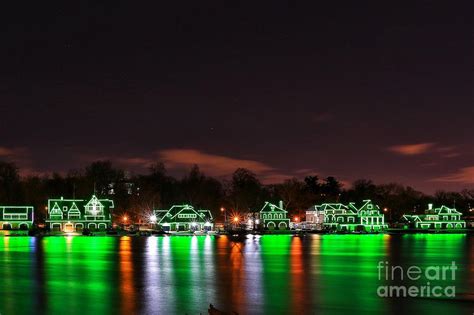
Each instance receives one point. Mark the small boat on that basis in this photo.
(200, 233)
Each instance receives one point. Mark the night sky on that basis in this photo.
(379, 91)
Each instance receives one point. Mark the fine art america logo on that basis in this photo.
(416, 281)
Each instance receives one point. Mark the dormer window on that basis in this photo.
(94, 207)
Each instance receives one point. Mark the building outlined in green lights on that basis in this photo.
(184, 218)
(16, 217)
(340, 217)
(437, 218)
(74, 215)
(273, 216)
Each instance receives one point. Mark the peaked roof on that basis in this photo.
(173, 214)
(446, 210)
(74, 207)
(367, 205)
(332, 206)
(270, 207)
(94, 200)
(57, 205)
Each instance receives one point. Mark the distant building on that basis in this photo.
(184, 218)
(314, 219)
(251, 220)
(16, 217)
(273, 216)
(438, 219)
(71, 215)
(340, 217)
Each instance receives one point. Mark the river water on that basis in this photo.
(314, 274)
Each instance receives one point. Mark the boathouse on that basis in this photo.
(437, 218)
(16, 217)
(340, 217)
(184, 218)
(71, 215)
(273, 216)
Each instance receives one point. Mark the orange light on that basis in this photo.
(296, 219)
(125, 218)
(222, 209)
(236, 219)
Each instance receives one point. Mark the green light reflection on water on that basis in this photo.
(329, 274)
(77, 273)
(275, 271)
(433, 250)
(16, 274)
(349, 277)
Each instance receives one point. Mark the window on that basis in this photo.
(64, 208)
(95, 208)
(15, 216)
(74, 214)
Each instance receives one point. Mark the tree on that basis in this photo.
(10, 188)
(312, 184)
(363, 189)
(104, 179)
(294, 194)
(245, 192)
(332, 188)
(191, 185)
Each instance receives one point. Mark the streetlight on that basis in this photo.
(225, 214)
(390, 213)
(236, 221)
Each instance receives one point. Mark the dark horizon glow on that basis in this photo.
(378, 92)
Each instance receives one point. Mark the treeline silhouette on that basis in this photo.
(138, 195)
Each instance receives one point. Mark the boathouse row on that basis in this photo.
(16, 217)
(71, 215)
(437, 218)
(184, 218)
